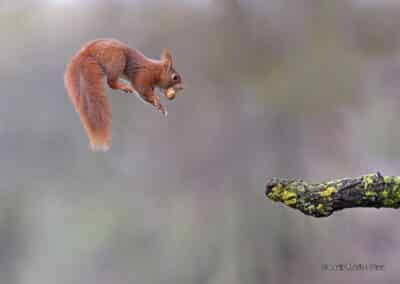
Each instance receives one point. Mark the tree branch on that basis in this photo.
(322, 199)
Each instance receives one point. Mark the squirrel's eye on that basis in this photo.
(174, 77)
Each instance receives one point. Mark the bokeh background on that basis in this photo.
(274, 88)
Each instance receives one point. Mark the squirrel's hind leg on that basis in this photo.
(114, 69)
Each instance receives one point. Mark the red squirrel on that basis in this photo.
(112, 59)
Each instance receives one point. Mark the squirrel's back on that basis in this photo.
(112, 54)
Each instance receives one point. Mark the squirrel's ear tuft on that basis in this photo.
(166, 58)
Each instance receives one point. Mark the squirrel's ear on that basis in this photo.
(166, 58)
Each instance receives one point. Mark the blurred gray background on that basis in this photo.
(274, 88)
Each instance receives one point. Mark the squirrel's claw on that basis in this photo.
(163, 111)
(127, 89)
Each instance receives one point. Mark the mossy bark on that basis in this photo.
(322, 199)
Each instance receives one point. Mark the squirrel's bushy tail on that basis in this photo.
(84, 82)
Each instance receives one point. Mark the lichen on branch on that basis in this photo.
(322, 199)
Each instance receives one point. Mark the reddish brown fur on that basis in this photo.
(84, 81)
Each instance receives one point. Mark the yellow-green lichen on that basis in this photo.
(370, 193)
(301, 188)
(321, 209)
(289, 198)
(279, 193)
(276, 192)
(327, 193)
(311, 209)
(391, 196)
(368, 180)
(388, 202)
(388, 179)
(396, 195)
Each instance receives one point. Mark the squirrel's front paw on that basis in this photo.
(127, 89)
